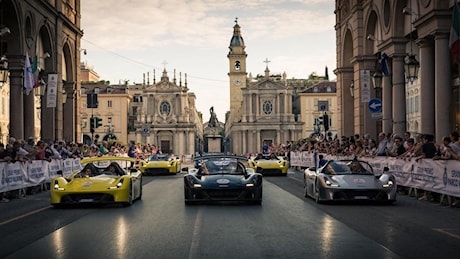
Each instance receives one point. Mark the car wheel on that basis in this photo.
(305, 189)
(140, 191)
(317, 193)
(130, 197)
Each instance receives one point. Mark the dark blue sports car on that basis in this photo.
(222, 178)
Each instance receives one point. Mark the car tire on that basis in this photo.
(130, 197)
(317, 193)
(140, 191)
(305, 188)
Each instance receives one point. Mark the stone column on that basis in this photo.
(16, 97)
(442, 85)
(250, 114)
(427, 82)
(399, 97)
(69, 98)
(387, 102)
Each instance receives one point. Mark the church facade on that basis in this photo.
(260, 110)
(167, 117)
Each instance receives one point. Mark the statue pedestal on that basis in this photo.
(214, 143)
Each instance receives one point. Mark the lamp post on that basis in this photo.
(411, 65)
(352, 88)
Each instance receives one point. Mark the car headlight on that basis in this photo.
(56, 185)
(249, 185)
(119, 185)
(196, 185)
(389, 184)
(331, 183)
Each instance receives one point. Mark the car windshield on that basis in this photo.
(348, 167)
(159, 157)
(266, 157)
(213, 167)
(98, 168)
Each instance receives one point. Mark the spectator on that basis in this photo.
(63, 152)
(406, 139)
(429, 149)
(380, 151)
(3, 158)
(132, 149)
(409, 153)
(399, 150)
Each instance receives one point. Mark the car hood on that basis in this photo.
(93, 182)
(223, 180)
(356, 181)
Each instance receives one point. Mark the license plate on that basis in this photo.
(361, 197)
(86, 200)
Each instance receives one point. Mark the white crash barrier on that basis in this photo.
(20, 175)
(440, 176)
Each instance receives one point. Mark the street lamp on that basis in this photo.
(352, 88)
(377, 78)
(411, 65)
(40, 90)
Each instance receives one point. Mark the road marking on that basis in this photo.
(194, 245)
(446, 231)
(24, 215)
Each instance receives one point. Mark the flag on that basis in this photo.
(28, 76)
(383, 64)
(35, 71)
(454, 41)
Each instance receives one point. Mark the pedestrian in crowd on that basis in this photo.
(132, 149)
(409, 153)
(407, 136)
(382, 145)
(399, 150)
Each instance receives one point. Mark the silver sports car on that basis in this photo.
(349, 180)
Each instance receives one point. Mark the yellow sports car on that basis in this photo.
(160, 164)
(269, 164)
(106, 179)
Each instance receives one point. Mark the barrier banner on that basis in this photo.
(13, 176)
(67, 167)
(53, 167)
(37, 171)
(3, 186)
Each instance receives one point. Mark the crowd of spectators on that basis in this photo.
(19, 150)
(402, 147)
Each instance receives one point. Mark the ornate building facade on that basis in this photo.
(381, 38)
(260, 111)
(166, 116)
(49, 32)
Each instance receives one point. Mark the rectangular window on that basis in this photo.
(109, 103)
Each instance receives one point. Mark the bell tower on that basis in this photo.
(237, 72)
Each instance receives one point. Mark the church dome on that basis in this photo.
(237, 39)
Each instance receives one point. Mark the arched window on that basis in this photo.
(165, 108)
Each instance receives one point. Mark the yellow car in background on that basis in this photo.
(106, 179)
(159, 164)
(269, 164)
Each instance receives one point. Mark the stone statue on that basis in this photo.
(213, 122)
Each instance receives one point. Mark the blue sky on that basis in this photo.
(126, 38)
